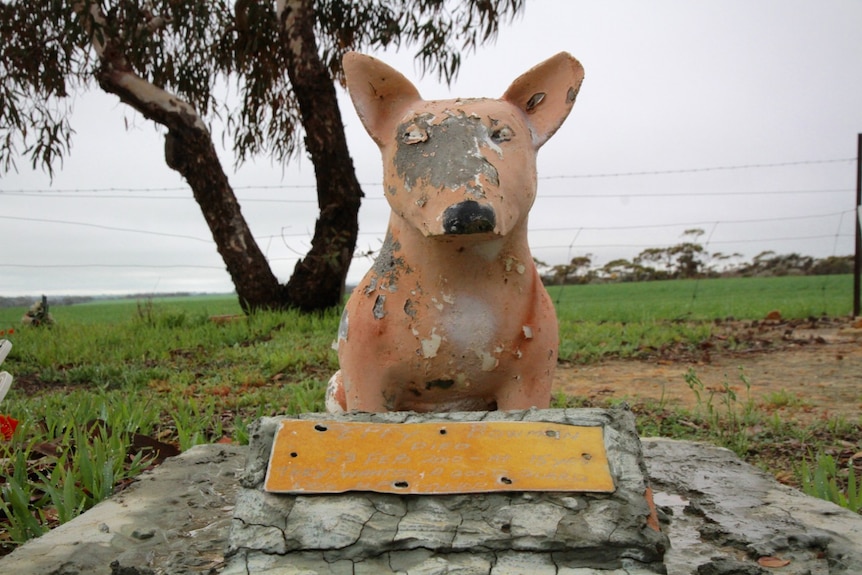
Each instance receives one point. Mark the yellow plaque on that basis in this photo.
(437, 458)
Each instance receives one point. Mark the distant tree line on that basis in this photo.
(28, 300)
(688, 260)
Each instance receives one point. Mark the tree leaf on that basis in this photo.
(773, 562)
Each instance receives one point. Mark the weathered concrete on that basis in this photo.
(173, 520)
(723, 514)
(483, 533)
(720, 514)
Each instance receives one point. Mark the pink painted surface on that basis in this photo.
(453, 315)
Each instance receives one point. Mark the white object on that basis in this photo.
(5, 378)
(5, 348)
(5, 384)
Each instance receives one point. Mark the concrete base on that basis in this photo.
(720, 514)
(357, 533)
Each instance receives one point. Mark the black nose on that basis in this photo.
(468, 217)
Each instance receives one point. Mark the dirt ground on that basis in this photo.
(806, 370)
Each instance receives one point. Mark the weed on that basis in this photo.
(24, 521)
(195, 421)
(825, 480)
(65, 495)
(782, 398)
(728, 421)
(307, 397)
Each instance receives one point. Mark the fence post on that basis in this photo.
(857, 261)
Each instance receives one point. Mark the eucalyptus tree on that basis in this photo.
(167, 58)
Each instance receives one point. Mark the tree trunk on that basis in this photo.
(192, 154)
(318, 279)
(190, 151)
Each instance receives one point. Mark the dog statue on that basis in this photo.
(453, 315)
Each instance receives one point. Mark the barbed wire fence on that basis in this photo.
(571, 231)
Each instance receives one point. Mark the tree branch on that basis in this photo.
(117, 77)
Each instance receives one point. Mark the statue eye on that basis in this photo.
(414, 135)
(503, 134)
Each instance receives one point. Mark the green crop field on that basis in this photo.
(740, 298)
(102, 311)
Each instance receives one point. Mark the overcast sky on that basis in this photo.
(679, 98)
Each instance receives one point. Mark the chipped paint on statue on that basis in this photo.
(453, 315)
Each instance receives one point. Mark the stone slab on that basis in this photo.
(720, 514)
(479, 533)
(436, 458)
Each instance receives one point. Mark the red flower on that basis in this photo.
(7, 427)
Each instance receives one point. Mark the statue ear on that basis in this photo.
(546, 94)
(380, 94)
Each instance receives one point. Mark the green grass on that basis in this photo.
(640, 319)
(824, 479)
(104, 311)
(740, 298)
(160, 368)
